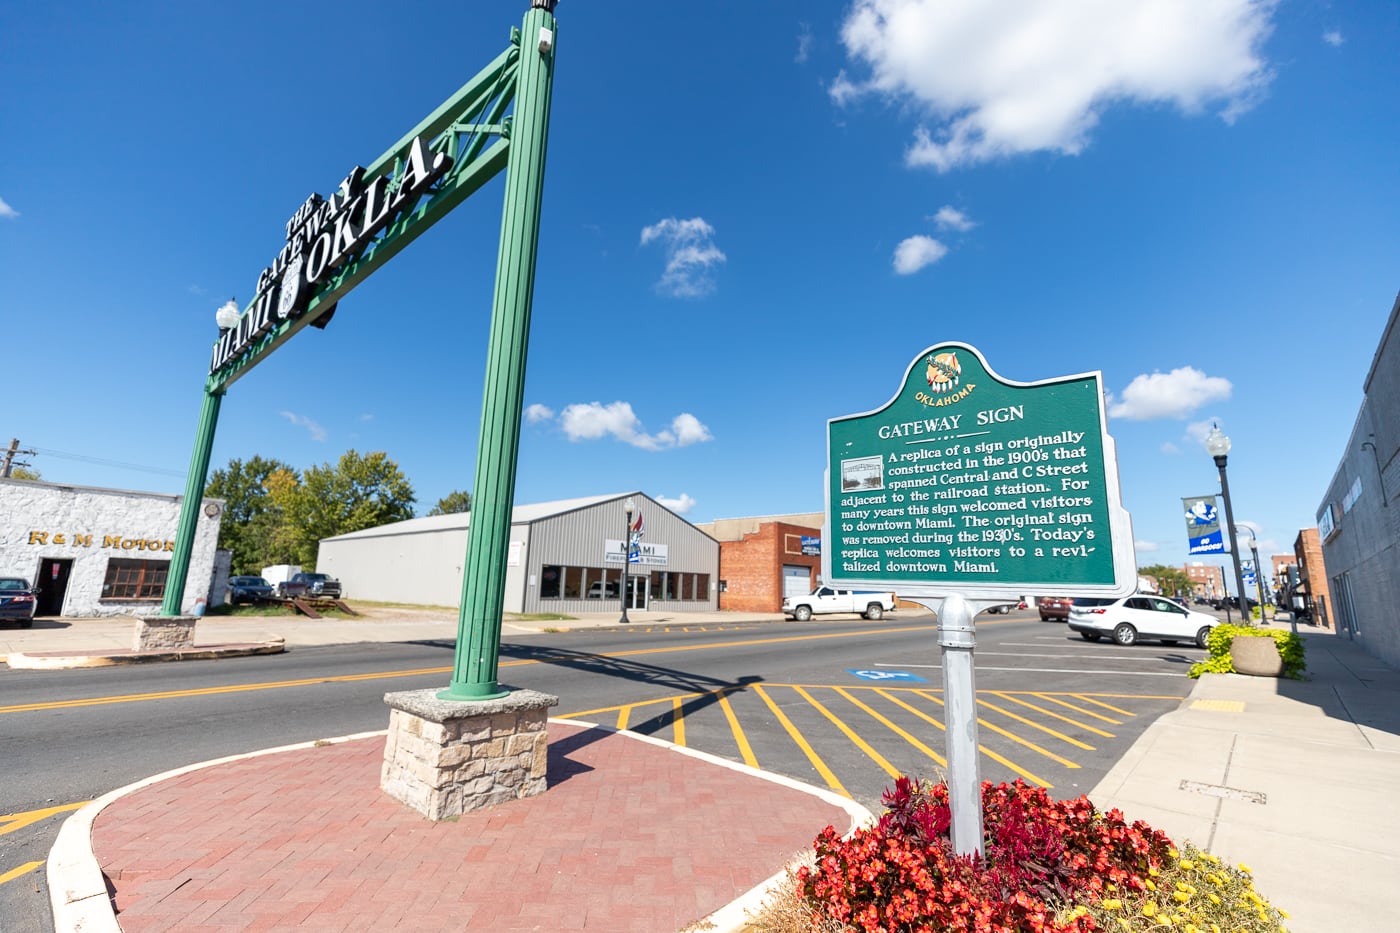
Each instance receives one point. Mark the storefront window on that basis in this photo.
(135, 579)
(549, 581)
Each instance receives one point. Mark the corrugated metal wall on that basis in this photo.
(577, 539)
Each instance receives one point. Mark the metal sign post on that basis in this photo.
(965, 491)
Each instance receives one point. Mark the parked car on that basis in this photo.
(599, 590)
(315, 585)
(248, 590)
(1131, 619)
(1053, 607)
(17, 601)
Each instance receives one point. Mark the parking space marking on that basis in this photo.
(802, 743)
(19, 872)
(1053, 714)
(1080, 709)
(982, 748)
(859, 743)
(983, 723)
(1035, 725)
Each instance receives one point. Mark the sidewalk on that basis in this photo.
(89, 642)
(1296, 779)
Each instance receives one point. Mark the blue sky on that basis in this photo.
(756, 215)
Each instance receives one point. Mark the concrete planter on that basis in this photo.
(1255, 655)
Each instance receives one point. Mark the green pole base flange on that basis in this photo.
(470, 692)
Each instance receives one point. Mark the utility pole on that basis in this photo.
(9, 462)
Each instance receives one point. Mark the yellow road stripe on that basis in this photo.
(677, 722)
(860, 743)
(1088, 699)
(1035, 725)
(1053, 714)
(1003, 732)
(9, 822)
(801, 742)
(622, 715)
(739, 738)
(1008, 763)
(1080, 709)
(347, 678)
(942, 762)
(17, 872)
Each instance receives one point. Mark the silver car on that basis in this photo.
(1142, 615)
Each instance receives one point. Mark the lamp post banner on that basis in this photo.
(966, 482)
(1203, 525)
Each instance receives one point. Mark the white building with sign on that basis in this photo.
(564, 557)
(100, 552)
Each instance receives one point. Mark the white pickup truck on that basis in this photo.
(826, 599)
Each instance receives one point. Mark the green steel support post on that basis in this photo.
(493, 488)
(189, 508)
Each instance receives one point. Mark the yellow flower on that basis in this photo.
(1149, 884)
(1173, 853)
(1149, 909)
(1282, 913)
(1181, 897)
(1112, 903)
(1244, 868)
(1214, 898)
(1187, 864)
(1153, 871)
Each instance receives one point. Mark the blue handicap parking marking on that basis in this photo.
(887, 675)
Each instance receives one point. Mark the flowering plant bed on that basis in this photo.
(1051, 866)
(1290, 649)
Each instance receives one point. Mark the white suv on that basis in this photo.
(1142, 615)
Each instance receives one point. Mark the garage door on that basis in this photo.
(797, 581)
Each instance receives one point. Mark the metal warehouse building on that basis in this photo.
(564, 556)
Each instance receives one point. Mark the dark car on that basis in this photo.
(17, 601)
(248, 590)
(1053, 607)
(315, 585)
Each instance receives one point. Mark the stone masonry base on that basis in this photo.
(444, 757)
(158, 633)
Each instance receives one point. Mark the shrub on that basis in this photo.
(1290, 649)
(1050, 867)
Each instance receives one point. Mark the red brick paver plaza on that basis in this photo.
(629, 836)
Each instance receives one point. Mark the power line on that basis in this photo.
(103, 461)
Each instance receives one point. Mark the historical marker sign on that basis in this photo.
(969, 483)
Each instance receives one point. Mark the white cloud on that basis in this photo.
(689, 430)
(680, 506)
(537, 413)
(1168, 395)
(317, 432)
(1333, 38)
(1001, 77)
(195, 290)
(1169, 448)
(804, 43)
(1197, 431)
(950, 218)
(1142, 547)
(367, 417)
(690, 254)
(7, 211)
(914, 253)
(591, 421)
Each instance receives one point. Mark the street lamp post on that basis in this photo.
(628, 508)
(1219, 446)
(1258, 574)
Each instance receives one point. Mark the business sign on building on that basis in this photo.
(1203, 534)
(648, 555)
(965, 482)
(811, 545)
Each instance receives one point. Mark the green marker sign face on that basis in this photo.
(968, 483)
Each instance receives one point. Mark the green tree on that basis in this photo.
(452, 503)
(1171, 581)
(20, 472)
(358, 492)
(251, 517)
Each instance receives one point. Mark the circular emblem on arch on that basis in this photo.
(289, 297)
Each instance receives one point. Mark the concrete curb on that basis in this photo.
(81, 903)
(54, 661)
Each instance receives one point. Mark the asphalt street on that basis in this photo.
(840, 704)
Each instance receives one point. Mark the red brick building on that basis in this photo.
(1312, 573)
(758, 557)
(1207, 580)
